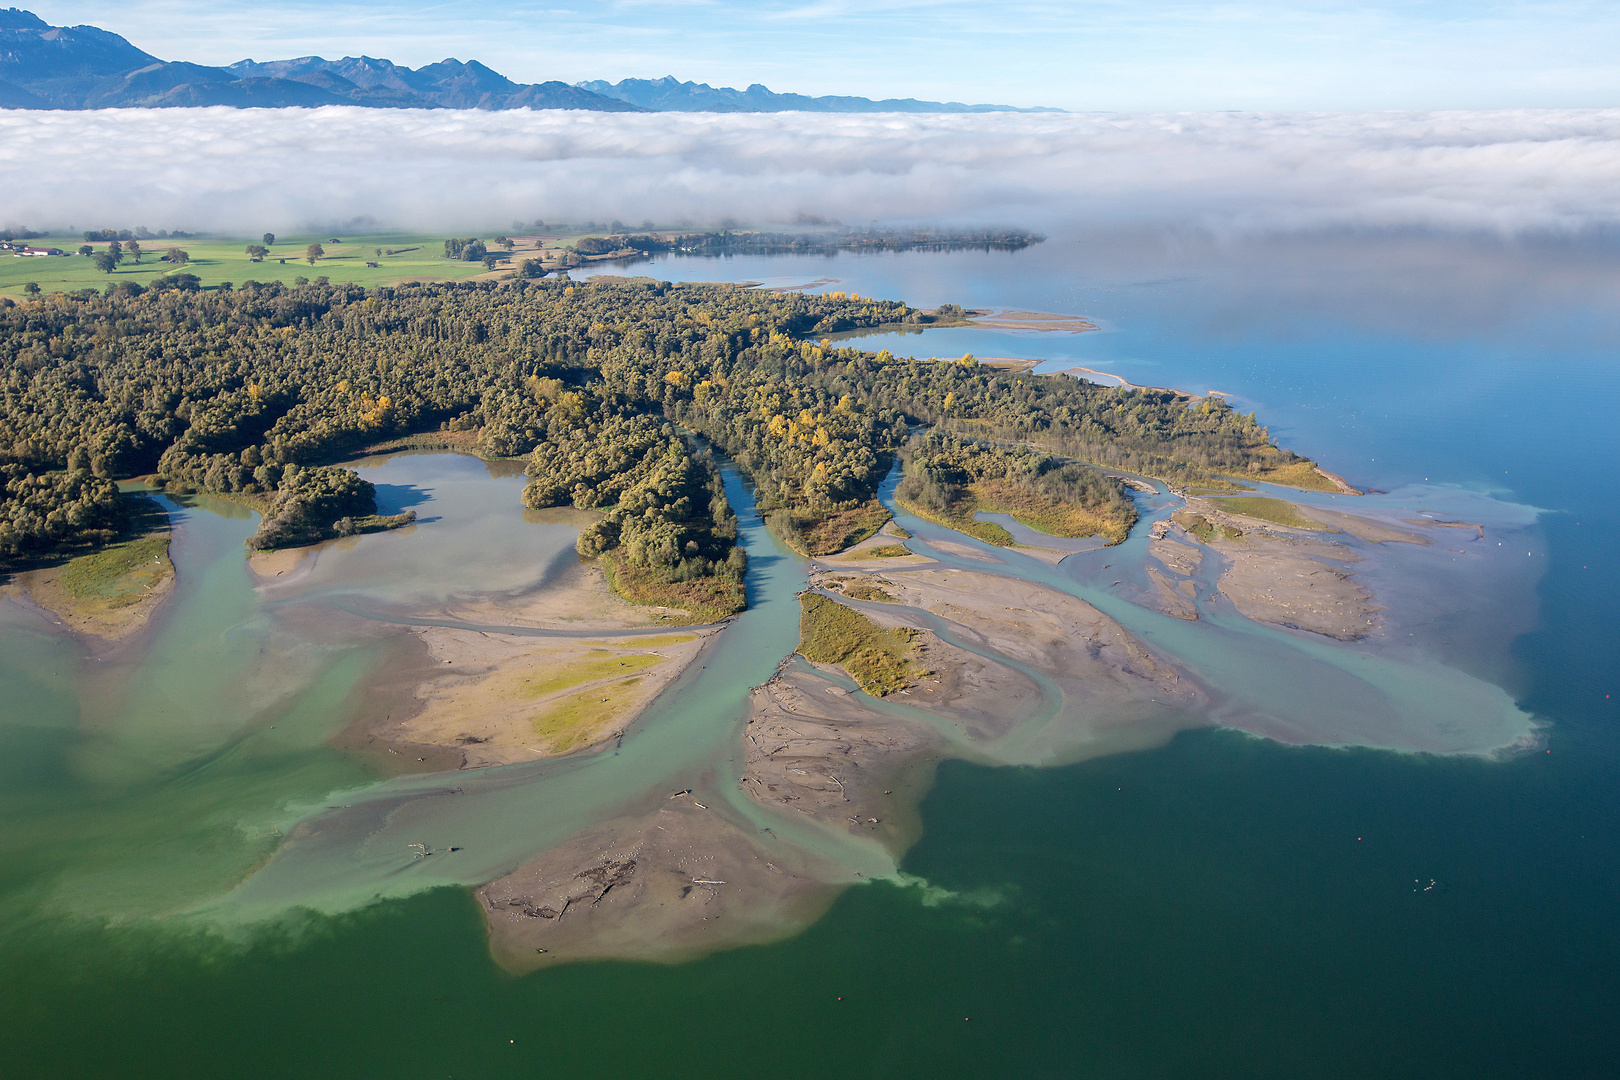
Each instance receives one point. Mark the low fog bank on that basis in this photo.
(245, 171)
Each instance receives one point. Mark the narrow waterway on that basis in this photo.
(366, 844)
(358, 847)
(193, 779)
(1292, 686)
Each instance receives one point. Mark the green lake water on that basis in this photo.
(1220, 905)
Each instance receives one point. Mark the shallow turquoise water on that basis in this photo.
(1221, 906)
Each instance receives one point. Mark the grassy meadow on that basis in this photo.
(118, 576)
(879, 660)
(1279, 511)
(889, 551)
(217, 259)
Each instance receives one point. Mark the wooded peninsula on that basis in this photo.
(258, 392)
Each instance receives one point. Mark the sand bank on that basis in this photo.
(1297, 578)
(577, 600)
(466, 695)
(1031, 320)
(1363, 528)
(107, 605)
(265, 567)
(1022, 673)
(1272, 573)
(1007, 671)
(498, 699)
(677, 880)
(813, 748)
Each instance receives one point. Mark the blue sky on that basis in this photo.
(1098, 54)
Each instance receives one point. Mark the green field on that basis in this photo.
(217, 259)
(121, 575)
(1265, 509)
(878, 659)
(862, 591)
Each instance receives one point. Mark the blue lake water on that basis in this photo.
(1223, 905)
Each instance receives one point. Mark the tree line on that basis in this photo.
(737, 242)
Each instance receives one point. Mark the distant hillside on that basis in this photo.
(82, 67)
(449, 84)
(670, 95)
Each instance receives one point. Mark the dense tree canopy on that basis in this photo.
(257, 391)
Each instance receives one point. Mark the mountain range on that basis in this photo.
(670, 95)
(84, 67)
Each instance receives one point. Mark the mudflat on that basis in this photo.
(673, 880)
(1004, 671)
(496, 679)
(1276, 574)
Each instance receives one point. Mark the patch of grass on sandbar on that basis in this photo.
(656, 641)
(962, 520)
(878, 659)
(1301, 474)
(587, 670)
(1053, 516)
(1203, 529)
(889, 551)
(1275, 510)
(862, 591)
(574, 718)
(118, 576)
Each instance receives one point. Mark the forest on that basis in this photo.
(757, 242)
(949, 479)
(258, 392)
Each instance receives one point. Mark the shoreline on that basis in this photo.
(829, 782)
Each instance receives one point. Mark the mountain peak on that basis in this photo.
(18, 19)
(83, 67)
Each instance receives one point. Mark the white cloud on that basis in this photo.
(249, 170)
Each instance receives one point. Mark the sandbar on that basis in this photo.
(464, 694)
(109, 615)
(676, 880)
(1007, 671)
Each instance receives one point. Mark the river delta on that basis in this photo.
(292, 750)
